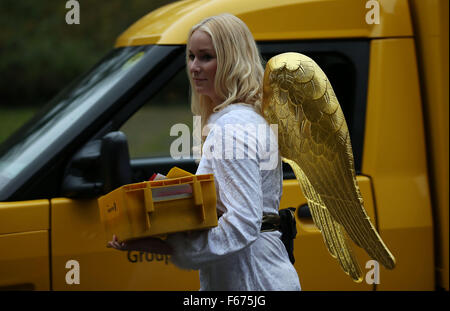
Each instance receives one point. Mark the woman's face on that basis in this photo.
(202, 64)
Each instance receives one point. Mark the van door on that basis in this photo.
(81, 261)
(24, 245)
(78, 235)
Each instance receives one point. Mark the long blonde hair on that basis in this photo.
(239, 71)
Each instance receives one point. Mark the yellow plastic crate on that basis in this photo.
(141, 210)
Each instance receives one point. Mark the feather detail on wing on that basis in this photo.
(315, 141)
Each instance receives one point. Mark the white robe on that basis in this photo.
(235, 255)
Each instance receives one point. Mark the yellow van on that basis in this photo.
(388, 63)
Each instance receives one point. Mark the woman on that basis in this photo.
(225, 73)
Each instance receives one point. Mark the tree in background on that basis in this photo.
(40, 53)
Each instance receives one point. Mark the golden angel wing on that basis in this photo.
(315, 141)
(334, 238)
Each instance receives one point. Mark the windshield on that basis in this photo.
(79, 100)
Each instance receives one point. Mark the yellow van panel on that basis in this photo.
(24, 245)
(24, 261)
(77, 234)
(24, 216)
(274, 20)
(317, 269)
(395, 158)
(431, 33)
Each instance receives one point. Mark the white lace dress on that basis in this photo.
(235, 255)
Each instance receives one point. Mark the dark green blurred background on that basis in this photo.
(40, 53)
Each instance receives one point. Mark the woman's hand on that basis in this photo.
(151, 245)
(115, 243)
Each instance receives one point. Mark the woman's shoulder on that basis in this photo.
(241, 114)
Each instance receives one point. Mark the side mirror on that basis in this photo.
(115, 161)
(98, 168)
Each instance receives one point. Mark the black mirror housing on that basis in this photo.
(98, 168)
(115, 161)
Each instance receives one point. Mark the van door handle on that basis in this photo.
(303, 211)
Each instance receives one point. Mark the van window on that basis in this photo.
(344, 62)
(148, 130)
(67, 114)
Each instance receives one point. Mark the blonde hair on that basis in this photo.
(239, 71)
